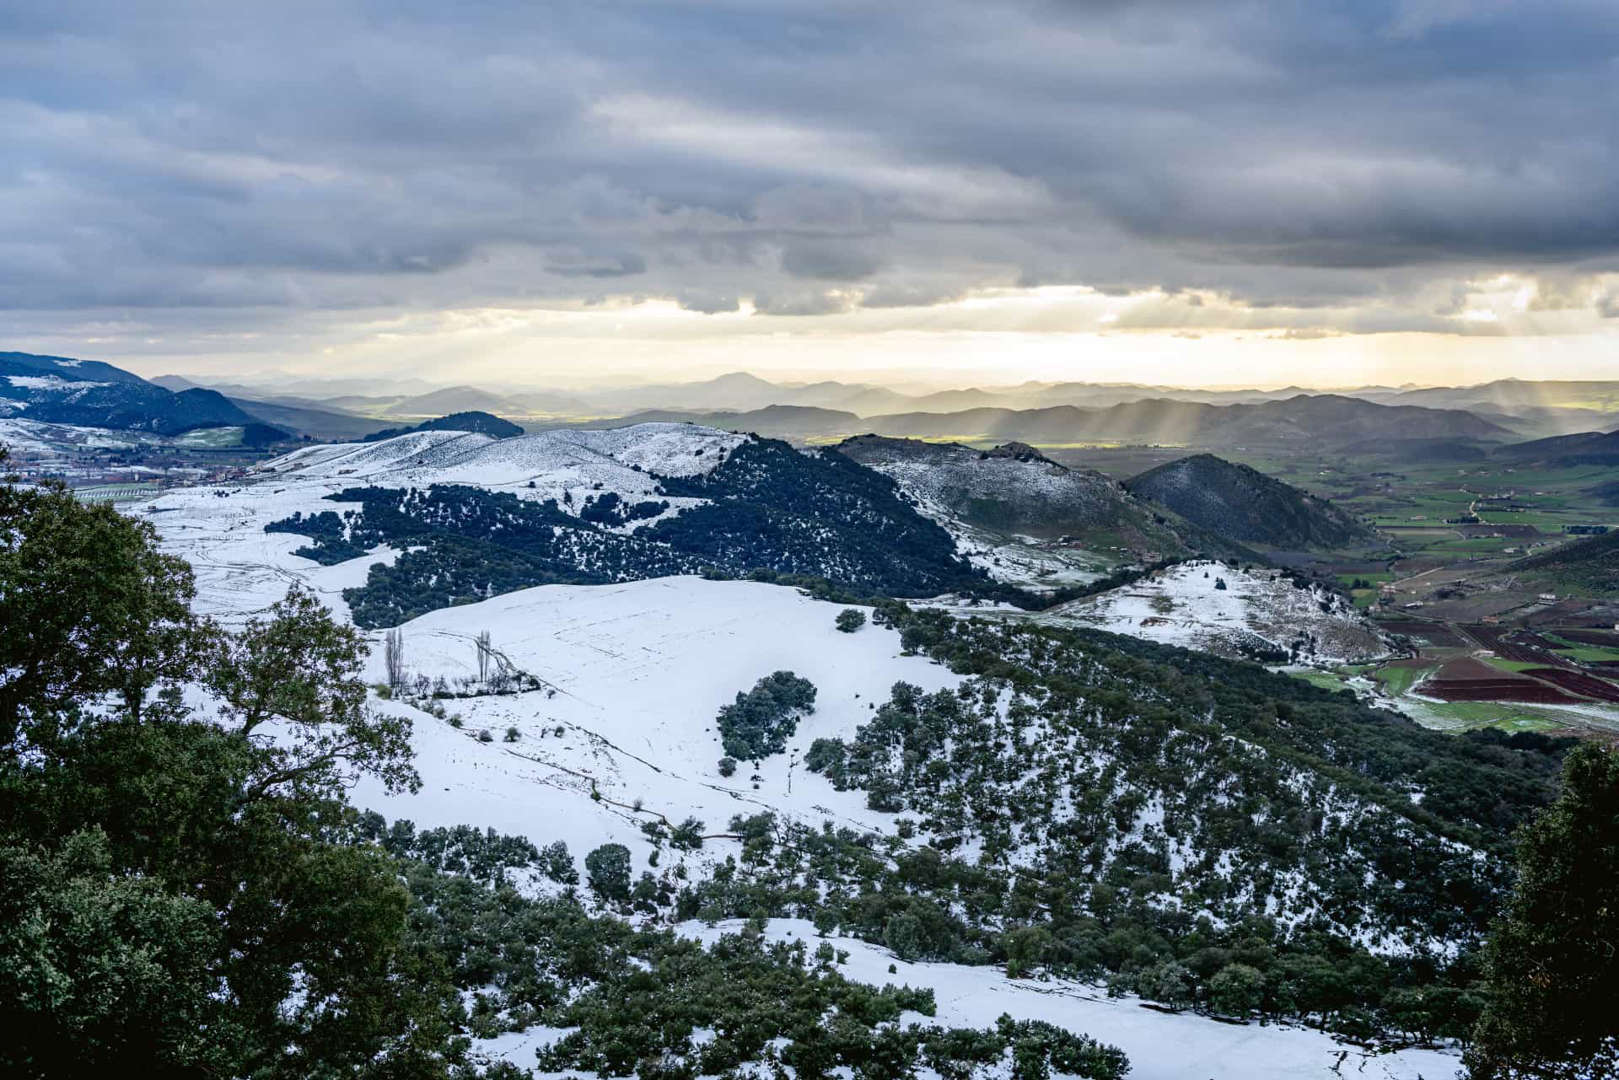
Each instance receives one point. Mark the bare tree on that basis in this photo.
(485, 650)
(393, 654)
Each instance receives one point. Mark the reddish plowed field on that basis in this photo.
(1467, 679)
(1512, 644)
(1525, 690)
(1578, 682)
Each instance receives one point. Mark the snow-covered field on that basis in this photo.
(1185, 605)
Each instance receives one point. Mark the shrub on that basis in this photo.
(850, 619)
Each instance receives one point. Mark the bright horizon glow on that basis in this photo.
(997, 337)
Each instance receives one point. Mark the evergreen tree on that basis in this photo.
(1553, 959)
(608, 872)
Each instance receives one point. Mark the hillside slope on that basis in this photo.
(1589, 566)
(1239, 614)
(1245, 505)
(1012, 489)
(1583, 448)
(472, 516)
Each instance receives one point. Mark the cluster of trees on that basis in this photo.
(759, 722)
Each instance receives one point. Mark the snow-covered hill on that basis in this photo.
(469, 517)
(1231, 612)
(555, 462)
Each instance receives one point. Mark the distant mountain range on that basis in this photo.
(1319, 421)
(1527, 407)
(1411, 423)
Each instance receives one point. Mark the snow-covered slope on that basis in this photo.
(1018, 515)
(553, 462)
(1234, 613)
(636, 674)
(242, 569)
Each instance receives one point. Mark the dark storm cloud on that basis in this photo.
(302, 156)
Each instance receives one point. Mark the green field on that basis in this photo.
(1398, 680)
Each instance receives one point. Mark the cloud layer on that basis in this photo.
(1305, 167)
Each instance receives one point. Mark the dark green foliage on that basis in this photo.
(1065, 742)
(608, 872)
(727, 766)
(1552, 962)
(88, 606)
(759, 722)
(100, 968)
(850, 619)
(557, 864)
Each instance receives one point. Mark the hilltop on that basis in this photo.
(479, 423)
(1012, 488)
(1244, 505)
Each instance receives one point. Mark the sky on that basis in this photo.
(942, 193)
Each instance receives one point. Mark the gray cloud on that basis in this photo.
(348, 154)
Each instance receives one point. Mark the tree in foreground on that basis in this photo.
(175, 895)
(1553, 959)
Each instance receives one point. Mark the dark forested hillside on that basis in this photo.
(57, 390)
(1246, 506)
(482, 423)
